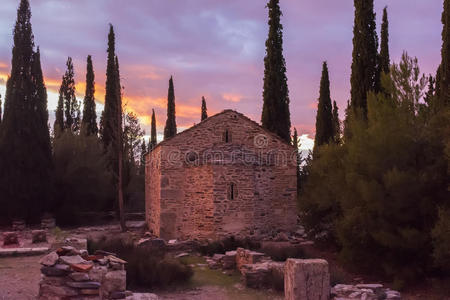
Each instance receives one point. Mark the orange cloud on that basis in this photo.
(232, 97)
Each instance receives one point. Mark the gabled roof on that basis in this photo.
(162, 143)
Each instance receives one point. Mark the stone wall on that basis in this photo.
(188, 178)
(71, 274)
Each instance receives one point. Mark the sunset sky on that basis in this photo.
(213, 49)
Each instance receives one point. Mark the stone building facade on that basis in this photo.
(224, 176)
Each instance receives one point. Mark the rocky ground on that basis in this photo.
(19, 277)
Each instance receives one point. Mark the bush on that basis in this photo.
(441, 241)
(227, 244)
(146, 268)
(280, 252)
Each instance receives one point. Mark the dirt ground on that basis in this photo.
(19, 277)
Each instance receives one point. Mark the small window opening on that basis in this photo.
(232, 191)
(227, 136)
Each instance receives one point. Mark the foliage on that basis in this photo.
(171, 126)
(204, 111)
(275, 114)
(385, 61)
(82, 180)
(25, 167)
(226, 244)
(444, 93)
(281, 252)
(89, 122)
(153, 141)
(376, 196)
(324, 117)
(365, 55)
(146, 268)
(336, 122)
(441, 240)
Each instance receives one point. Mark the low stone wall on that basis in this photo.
(68, 273)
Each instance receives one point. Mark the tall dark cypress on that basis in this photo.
(0, 110)
(71, 104)
(275, 114)
(58, 125)
(324, 117)
(89, 123)
(295, 143)
(25, 167)
(171, 125)
(109, 115)
(444, 84)
(142, 159)
(385, 60)
(153, 141)
(365, 55)
(336, 124)
(204, 111)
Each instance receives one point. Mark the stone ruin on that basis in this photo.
(68, 273)
(301, 279)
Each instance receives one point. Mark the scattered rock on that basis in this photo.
(171, 242)
(281, 237)
(38, 236)
(118, 295)
(182, 255)
(56, 270)
(229, 260)
(78, 276)
(84, 285)
(50, 259)
(10, 238)
(71, 260)
(81, 267)
(114, 281)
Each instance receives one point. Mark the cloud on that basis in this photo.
(213, 49)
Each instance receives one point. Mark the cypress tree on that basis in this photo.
(295, 142)
(336, 124)
(153, 141)
(109, 115)
(58, 126)
(204, 111)
(444, 84)
(89, 123)
(171, 125)
(365, 55)
(143, 153)
(324, 117)
(275, 114)
(25, 167)
(0, 110)
(385, 61)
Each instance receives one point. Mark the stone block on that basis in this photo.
(59, 291)
(18, 225)
(114, 281)
(229, 260)
(306, 279)
(48, 223)
(38, 236)
(57, 270)
(78, 276)
(10, 238)
(256, 275)
(84, 284)
(244, 257)
(97, 273)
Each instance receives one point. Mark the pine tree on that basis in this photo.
(171, 125)
(385, 61)
(336, 124)
(365, 56)
(275, 114)
(445, 53)
(204, 111)
(324, 117)
(152, 143)
(25, 167)
(89, 123)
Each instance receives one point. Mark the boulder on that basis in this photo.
(244, 257)
(50, 259)
(256, 275)
(10, 238)
(38, 236)
(57, 270)
(229, 260)
(281, 237)
(114, 281)
(306, 279)
(70, 260)
(152, 243)
(78, 276)
(97, 273)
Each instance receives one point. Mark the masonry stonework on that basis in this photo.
(224, 176)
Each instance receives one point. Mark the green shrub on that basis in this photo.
(280, 252)
(146, 268)
(441, 241)
(227, 244)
